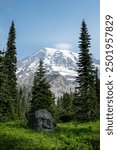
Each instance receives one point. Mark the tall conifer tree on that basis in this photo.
(3, 90)
(97, 86)
(86, 94)
(10, 65)
(41, 93)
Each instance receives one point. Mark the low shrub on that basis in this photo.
(68, 136)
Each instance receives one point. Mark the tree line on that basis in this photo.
(17, 102)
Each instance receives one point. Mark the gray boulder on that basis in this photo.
(41, 120)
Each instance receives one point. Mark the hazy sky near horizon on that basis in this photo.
(49, 23)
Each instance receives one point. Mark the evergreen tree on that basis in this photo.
(52, 107)
(66, 103)
(86, 94)
(76, 105)
(64, 107)
(24, 102)
(3, 90)
(10, 66)
(97, 86)
(41, 93)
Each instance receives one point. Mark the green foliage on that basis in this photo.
(85, 100)
(10, 62)
(3, 90)
(24, 97)
(64, 107)
(97, 87)
(68, 136)
(10, 66)
(41, 94)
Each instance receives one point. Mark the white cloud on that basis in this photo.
(63, 46)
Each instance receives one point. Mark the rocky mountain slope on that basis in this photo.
(60, 68)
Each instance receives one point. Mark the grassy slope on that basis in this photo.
(69, 136)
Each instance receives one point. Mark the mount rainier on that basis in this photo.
(60, 68)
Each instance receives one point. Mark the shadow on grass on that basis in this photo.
(17, 125)
(12, 143)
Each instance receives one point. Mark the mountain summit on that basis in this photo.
(60, 68)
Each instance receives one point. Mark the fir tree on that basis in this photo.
(41, 93)
(3, 90)
(86, 95)
(76, 105)
(64, 107)
(24, 102)
(97, 86)
(66, 103)
(10, 66)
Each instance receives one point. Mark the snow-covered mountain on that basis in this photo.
(60, 68)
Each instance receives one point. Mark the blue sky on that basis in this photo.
(49, 23)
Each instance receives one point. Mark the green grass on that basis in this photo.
(68, 136)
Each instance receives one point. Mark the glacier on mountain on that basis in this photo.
(60, 68)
